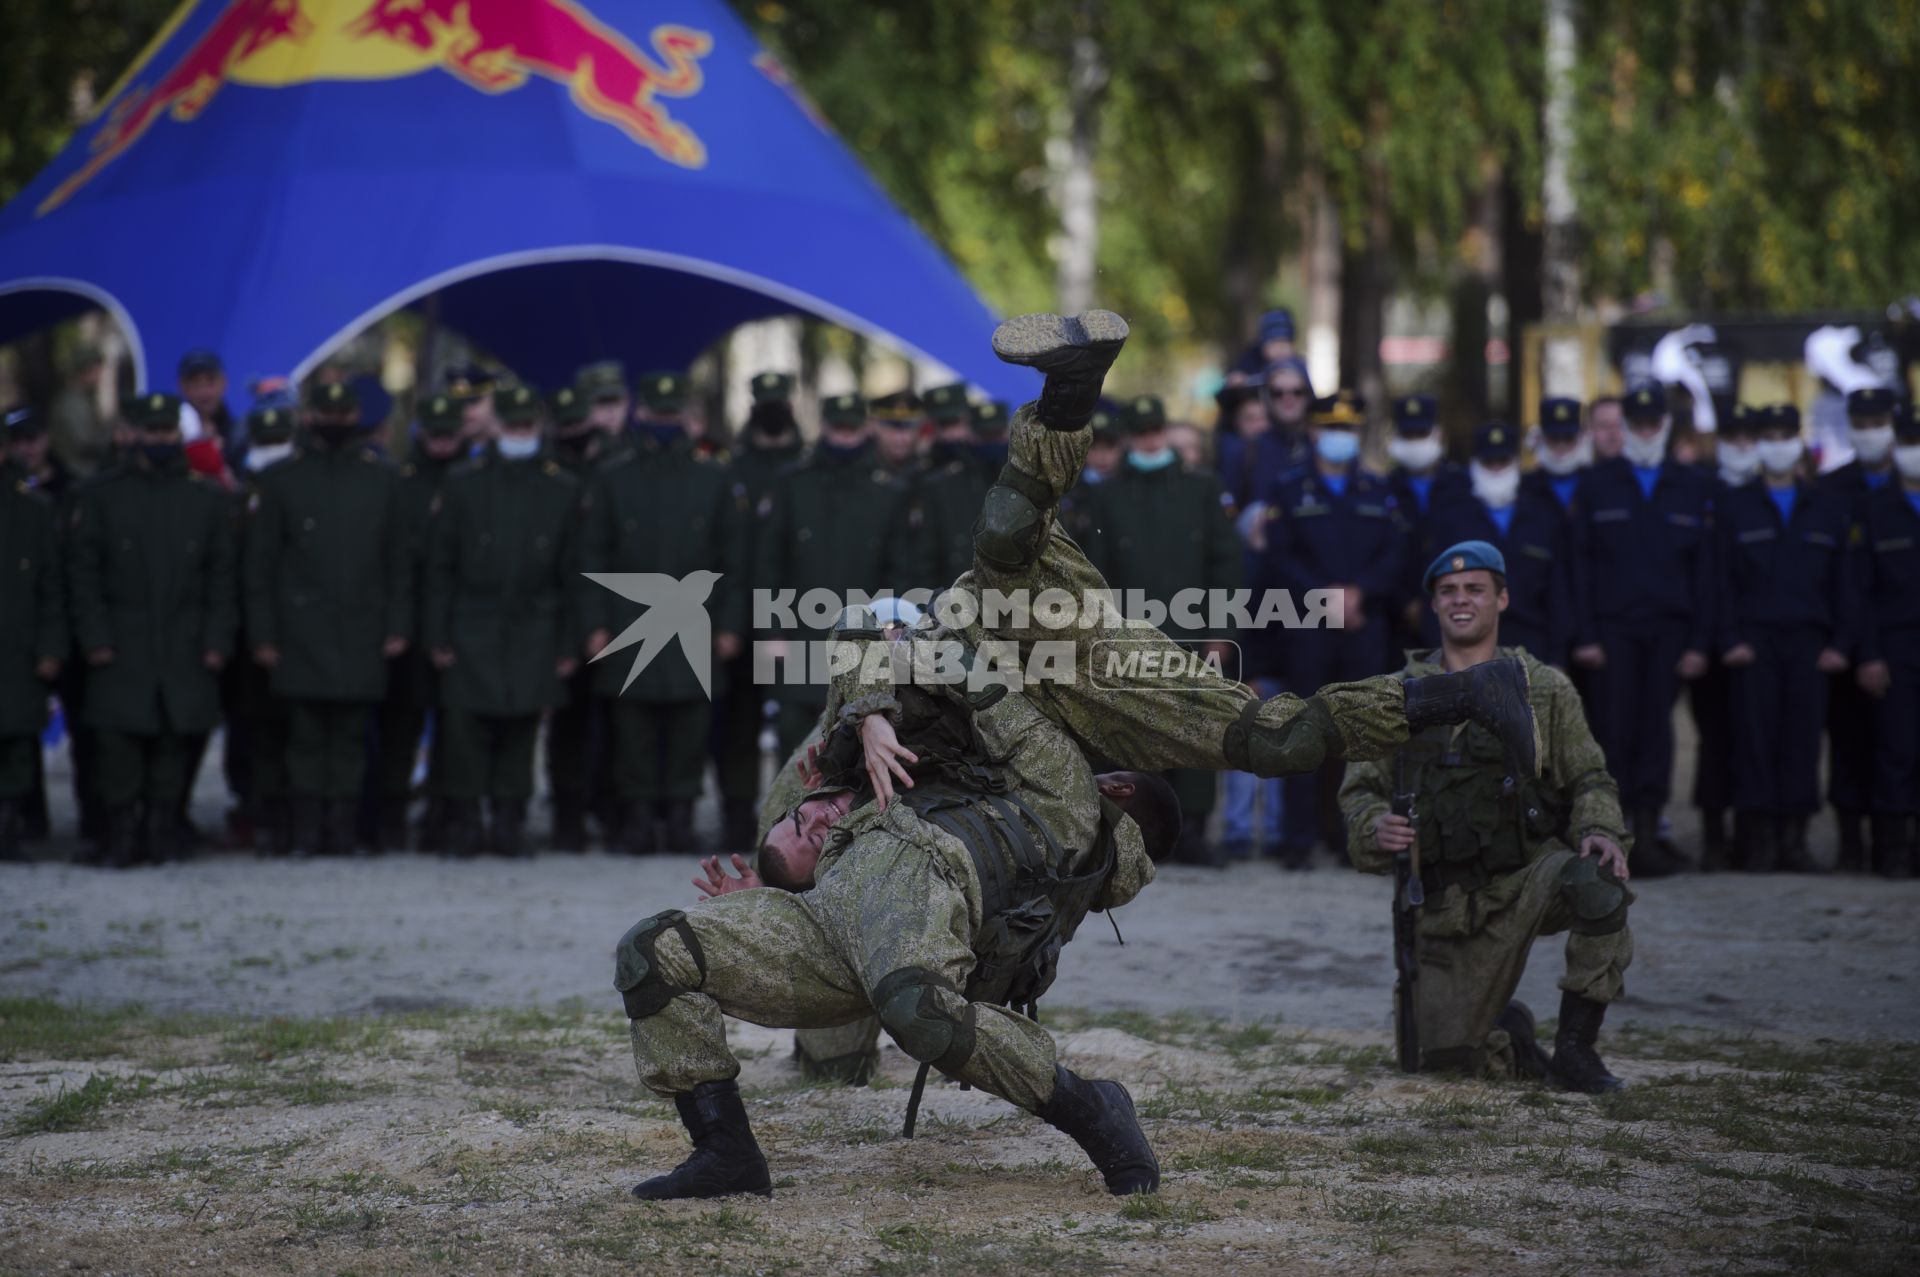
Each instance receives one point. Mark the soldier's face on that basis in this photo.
(442, 447)
(954, 432)
(609, 414)
(204, 390)
(895, 442)
(1468, 605)
(800, 837)
(1609, 429)
(1251, 420)
(476, 417)
(1103, 456)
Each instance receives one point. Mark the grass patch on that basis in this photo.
(74, 1108)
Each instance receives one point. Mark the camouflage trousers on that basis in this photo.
(1200, 721)
(1473, 950)
(893, 912)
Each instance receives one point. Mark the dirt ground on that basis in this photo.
(408, 1065)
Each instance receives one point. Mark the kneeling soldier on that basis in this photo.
(1502, 857)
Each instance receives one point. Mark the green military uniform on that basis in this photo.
(1498, 858)
(411, 681)
(1162, 532)
(503, 596)
(577, 756)
(662, 509)
(256, 745)
(950, 490)
(33, 629)
(835, 522)
(151, 570)
(329, 578)
(895, 925)
(769, 444)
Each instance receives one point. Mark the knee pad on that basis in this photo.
(1595, 900)
(643, 986)
(1012, 524)
(908, 1004)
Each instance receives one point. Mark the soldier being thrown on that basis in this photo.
(904, 907)
(1503, 857)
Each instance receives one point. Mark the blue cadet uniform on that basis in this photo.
(1559, 421)
(1642, 548)
(1336, 524)
(1850, 751)
(1888, 550)
(1710, 698)
(1423, 480)
(1531, 533)
(1787, 592)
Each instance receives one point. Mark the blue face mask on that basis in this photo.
(1337, 447)
(840, 451)
(661, 436)
(1159, 459)
(160, 454)
(517, 447)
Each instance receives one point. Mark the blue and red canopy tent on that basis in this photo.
(568, 181)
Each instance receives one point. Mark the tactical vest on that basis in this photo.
(1475, 817)
(1031, 906)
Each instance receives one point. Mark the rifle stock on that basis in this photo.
(1408, 896)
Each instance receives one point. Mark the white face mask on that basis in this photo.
(1871, 446)
(1572, 461)
(1497, 488)
(1780, 456)
(1906, 459)
(1644, 451)
(262, 455)
(517, 447)
(1415, 454)
(1739, 462)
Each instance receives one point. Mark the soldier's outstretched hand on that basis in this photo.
(719, 882)
(884, 755)
(1611, 857)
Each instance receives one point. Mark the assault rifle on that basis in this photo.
(1408, 896)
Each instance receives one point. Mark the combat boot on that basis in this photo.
(343, 834)
(1794, 857)
(1893, 846)
(1760, 842)
(741, 824)
(636, 828)
(569, 825)
(1528, 1059)
(510, 829)
(306, 812)
(10, 823)
(1098, 1116)
(1492, 694)
(274, 832)
(1853, 843)
(391, 826)
(1716, 856)
(1074, 353)
(726, 1159)
(1576, 1066)
(679, 819)
(1653, 855)
(120, 840)
(462, 840)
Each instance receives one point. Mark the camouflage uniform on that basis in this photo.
(1204, 721)
(1480, 920)
(891, 926)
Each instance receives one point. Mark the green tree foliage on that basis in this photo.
(1770, 148)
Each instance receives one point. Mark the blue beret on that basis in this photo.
(1277, 325)
(1871, 402)
(1646, 402)
(1559, 418)
(1467, 556)
(1496, 441)
(1415, 414)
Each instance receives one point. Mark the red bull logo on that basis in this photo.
(490, 45)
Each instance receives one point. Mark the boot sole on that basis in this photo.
(1024, 339)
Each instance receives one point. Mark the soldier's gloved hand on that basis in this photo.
(596, 640)
(1831, 660)
(1393, 833)
(215, 661)
(1611, 857)
(48, 668)
(442, 658)
(1691, 665)
(393, 646)
(884, 754)
(1875, 678)
(1590, 656)
(564, 667)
